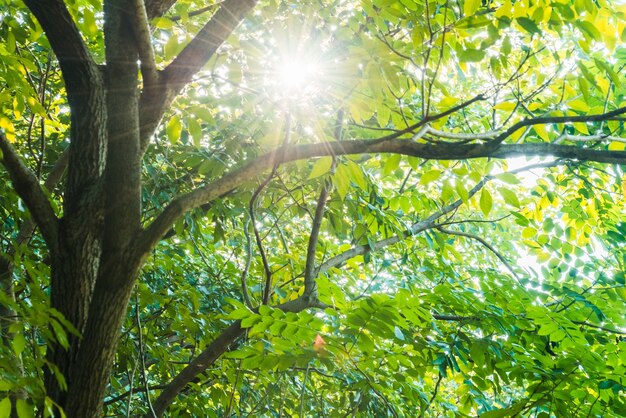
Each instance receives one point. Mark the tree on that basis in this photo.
(313, 195)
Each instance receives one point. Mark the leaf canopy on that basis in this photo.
(451, 281)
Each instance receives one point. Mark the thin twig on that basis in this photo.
(309, 270)
(484, 243)
(257, 236)
(142, 355)
(246, 269)
(432, 398)
(306, 375)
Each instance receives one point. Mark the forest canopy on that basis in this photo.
(375, 208)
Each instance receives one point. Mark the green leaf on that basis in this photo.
(548, 328)
(60, 334)
(162, 23)
(5, 408)
(508, 178)
(471, 6)
(195, 130)
(430, 176)
(486, 202)
(250, 320)
(398, 333)
(174, 129)
(18, 343)
(265, 310)
(24, 410)
(471, 55)
(341, 180)
(473, 22)
(240, 313)
(391, 163)
(509, 197)
(528, 25)
(462, 191)
(321, 167)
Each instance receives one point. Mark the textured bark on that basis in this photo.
(157, 8)
(26, 185)
(89, 375)
(75, 266)
(104, 277)
(93, 257)
(76, 260)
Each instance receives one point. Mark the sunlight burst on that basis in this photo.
(297, 77)
(296, 74)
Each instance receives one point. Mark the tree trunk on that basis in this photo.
(76, 255)
(74, 271)
(89, 374)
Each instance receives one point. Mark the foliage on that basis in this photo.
(470, 258)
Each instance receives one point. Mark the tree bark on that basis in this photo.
(89, 374)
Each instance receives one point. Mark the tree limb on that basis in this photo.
(196, 12)
(129, 393)
(310, 288)
(244, 274)
(56, 173)
(212, 352)
(267, 288)
(144, 44)
(74, 58)
(559, 119)
(439, 151)
(155, 101)
(203, 46)
(28, 188)
(606, 329)
(157, 8)
(86, 97)
(418, 227)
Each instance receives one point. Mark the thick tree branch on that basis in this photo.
(85, 94)
(203, 46)
(559, 119)
(157, 8)
(440, 151)
(122, 177)
(156, 100)
(144, 44)
(28, 188)
(56, 173)
(70, 49)
(208, 356)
